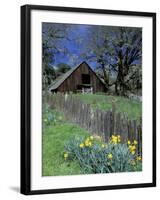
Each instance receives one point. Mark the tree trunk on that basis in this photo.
(120, 85)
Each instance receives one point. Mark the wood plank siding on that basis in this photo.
(74, 80)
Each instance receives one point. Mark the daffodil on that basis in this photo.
(132, 148)
(88, 143)
(139, 158)
(81, 145)
(129, 142)
(135, 142)
(103, 146)
(65, 156)
(110, 156)
(115, 139)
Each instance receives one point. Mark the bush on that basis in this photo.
(95, 156)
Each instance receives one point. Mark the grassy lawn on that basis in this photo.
(54, 138)
(132, 108)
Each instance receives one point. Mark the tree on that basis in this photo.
(116, 50)
(53, 36)
(62, 68)
(125, 46)
(96, 51)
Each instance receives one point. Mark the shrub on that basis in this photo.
(95, 156)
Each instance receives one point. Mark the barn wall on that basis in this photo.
(70, 84)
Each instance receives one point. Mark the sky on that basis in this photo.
(75, 49)
(75, 46)
(78, 36)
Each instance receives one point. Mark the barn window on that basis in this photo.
(85, 79)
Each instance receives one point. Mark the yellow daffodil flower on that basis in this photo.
(135, 142)
(88, 143)
(110, 156)
(81, 145)
(115, 139)
(139, 158)
(129, 142)
(65, 156)
(132, 149)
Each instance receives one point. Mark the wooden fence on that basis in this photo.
(98, 122)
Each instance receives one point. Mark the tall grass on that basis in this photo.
(132, 108)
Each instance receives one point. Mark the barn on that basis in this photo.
(78, 79)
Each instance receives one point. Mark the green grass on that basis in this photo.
(132, 108)
(54, 138)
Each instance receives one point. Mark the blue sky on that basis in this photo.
(80, 33)
(78, 37)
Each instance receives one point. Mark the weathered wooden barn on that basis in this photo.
(78, 79)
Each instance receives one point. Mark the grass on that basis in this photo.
(54, 138)
(132, 108)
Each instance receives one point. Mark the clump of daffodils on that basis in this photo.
(132, 146)
(88, 142)
(115, 139)
(91, 140)
(97, 156)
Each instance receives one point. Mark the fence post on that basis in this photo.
(113, 115)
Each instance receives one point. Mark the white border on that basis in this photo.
(37, 181)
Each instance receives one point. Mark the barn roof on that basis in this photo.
(58, 81)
